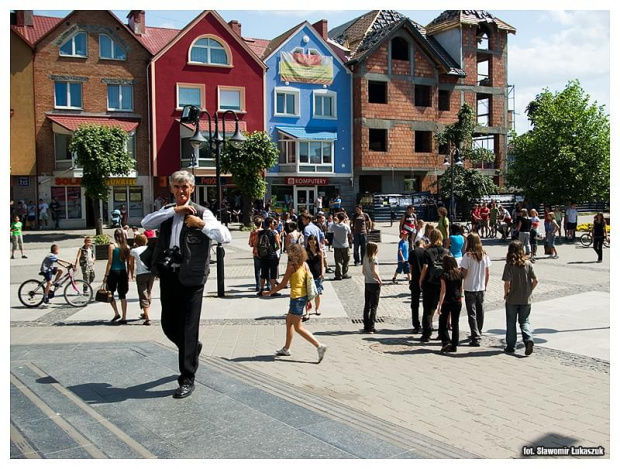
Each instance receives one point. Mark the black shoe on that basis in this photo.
(276, 294)
(509, 350)
(416, 330)
(529, 347)
(337, 278)
(259, 293)
(446, 348)
(425, 339)
(346, 276)
(183, 391)
(452, 348)
(474, 343)
(305, 318)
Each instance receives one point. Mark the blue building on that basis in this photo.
(309, 109)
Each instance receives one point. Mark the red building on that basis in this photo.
(207, 64)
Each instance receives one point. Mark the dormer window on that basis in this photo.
(400, 49)
(209, 51)
(75, 46)
(109, 49)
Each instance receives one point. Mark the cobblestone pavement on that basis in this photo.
(479, 400)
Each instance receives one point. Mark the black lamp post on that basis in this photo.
(216, 140)
(452, 159)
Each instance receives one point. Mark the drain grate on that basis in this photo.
(361, 321)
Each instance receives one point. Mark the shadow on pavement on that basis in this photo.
(267, 358)
(101, 393)
(50, 237)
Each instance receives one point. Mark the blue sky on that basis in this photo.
(550, 48)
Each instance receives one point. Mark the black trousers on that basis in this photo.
(429, 304)
(372, 291)
(414, 287)
(452, 310)
(180, 318)
(598, 246)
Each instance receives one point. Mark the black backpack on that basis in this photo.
(437, 270)
(265, 245)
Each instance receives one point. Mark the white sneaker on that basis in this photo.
(283, 352)
(321, 349)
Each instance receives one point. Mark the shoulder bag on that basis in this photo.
(311, 289)
(103, 294)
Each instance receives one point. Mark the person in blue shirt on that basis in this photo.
(456, 243)
(403, 256)
(49, 270)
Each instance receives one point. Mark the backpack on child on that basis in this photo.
(437, 270)
(265, 245)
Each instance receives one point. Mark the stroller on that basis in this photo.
(115, 218)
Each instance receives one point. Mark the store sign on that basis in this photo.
(121, 182)
(68, 181)
(210, 181)
(307, 181)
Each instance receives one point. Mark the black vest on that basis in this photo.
(195, 248)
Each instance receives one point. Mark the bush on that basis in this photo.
(102, 239)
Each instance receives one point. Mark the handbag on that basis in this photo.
(311, 289)
(104, 295)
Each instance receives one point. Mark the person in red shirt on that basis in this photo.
(475, 218)
(485, 213)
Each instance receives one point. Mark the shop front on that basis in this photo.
(300, 193)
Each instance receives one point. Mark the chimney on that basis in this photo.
(136, 21)
(321, 27)
(235, 26)
(24, 18)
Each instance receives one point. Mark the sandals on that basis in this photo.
(115, 318)
(147, 322)
(305, 318)
(123, 321)
(317, 312)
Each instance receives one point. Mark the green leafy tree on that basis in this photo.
(101, 151)
(247, 166)
(457, 140)
(565, 156)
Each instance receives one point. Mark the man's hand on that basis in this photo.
(185, 209)
(192, 221)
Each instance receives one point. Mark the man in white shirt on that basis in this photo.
(43, 214)
(181, 261)
(342, 241)
(571, 220)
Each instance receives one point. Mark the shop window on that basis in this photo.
(444, 100)
(70, 200)
(400, 49)
(131, 198)
(377, 139)
(423, 96)
(423, 141)
(377, 92)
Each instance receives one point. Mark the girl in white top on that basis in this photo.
(142, 274)
(475, 267)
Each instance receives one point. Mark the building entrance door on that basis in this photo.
(304, 199)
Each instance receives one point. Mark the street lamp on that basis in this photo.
(452, 159)
(216, 140)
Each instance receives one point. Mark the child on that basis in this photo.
(17, 239)
(403, 257)
(48, 269)
(450, 303)
(372, 286)
(86, 260)
(141, 273)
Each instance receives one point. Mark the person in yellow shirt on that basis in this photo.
(296, 272)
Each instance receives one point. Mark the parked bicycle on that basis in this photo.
(76, 292)
(586, 240)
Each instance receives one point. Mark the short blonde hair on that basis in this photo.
(436, 238)
(296, 255)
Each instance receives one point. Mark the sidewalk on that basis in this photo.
(379, 396)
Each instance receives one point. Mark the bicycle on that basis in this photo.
(586, 240)
(76, 293)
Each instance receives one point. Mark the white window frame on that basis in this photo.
(198, 86)
(241, 91)
(114, 44)
(225, 47)
(120, 95)
(63, 163)
(286, 91)
(293, 161)
(56, 106)
(321, 142)
(72, 39)
(323, 94)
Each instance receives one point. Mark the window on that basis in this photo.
(482, 37)
(288, 150)
(488, 143)
(130, 197)
(131, 146)
(423, 141)
(483, 111)
(377, 92)
(231, 98)
(315, 156)
(377, 139)
(325, 104)
(190, 94)
(483, 73)
(120, 98)
(108, 49)
(70, 200)
(287, 102)
(423, 96)
(67, 95)
(400, 49)
(208, 51)
(444, 100)
(62, 155)
(206, 158)
(75, 46)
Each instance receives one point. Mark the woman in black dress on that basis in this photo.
(599, 234)
(317, 267)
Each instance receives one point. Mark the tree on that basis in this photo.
(457, 140)
(565, 156)
(247, 165)
(101, 151)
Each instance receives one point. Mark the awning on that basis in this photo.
(73, 122)
(306, 133)
(204, 125)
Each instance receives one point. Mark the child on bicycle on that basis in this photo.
(48, 269)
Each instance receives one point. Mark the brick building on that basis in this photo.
(89, 68)
(409, 81)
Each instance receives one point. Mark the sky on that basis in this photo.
(550, 47)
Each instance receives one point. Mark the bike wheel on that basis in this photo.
(31, 293)
(586, 239)
(606, 243)
(78, 295)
